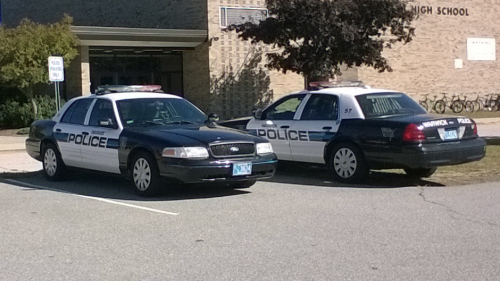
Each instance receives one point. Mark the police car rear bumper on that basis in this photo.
(199, 171)
(33, 148)
(430, 155)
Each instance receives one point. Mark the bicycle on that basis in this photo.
(427, 103)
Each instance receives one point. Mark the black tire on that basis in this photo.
(53, 165)
(469, 106)
(243, 184)
(145, 175)
(493, 105)
(440, 107)
(457, 106)
(420, 172)
(347, 163)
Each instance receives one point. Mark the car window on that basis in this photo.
(77, 112)
(103, 110)
(164, 111)
(387, 104)
(321, 107)
(284, 109)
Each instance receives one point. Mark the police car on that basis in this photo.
(352, 128)
(147, 136)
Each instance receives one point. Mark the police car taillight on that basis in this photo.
(474, 127)
(413, 133)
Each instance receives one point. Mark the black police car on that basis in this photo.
(137, 132)
(352, 128)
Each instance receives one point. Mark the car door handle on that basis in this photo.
(285, 127)
(85, 133)
(58, 130)
(327, 128)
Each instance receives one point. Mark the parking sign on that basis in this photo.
(56, 69)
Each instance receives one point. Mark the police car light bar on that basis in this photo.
(335, 84)
(107, 89)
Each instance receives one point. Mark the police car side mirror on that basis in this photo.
(257, 113)
(107, 123)
(212, 117)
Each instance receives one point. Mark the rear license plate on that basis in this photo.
(450, 135)
(242, 169)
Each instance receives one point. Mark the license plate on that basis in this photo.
(450, 135)
(242, 169)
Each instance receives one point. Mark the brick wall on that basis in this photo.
(427, 64)
(238, 77)
(167, 14)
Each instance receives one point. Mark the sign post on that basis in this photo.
(56, 74)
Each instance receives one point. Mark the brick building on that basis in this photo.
(180, 45)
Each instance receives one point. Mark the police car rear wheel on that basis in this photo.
(347, 163)
(53, 166)
(420, 172)
(145, 175)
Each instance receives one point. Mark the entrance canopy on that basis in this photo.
(139, 37)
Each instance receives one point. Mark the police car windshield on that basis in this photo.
(388, 104)
(159, 111)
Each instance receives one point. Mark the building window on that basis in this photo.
(231, 15)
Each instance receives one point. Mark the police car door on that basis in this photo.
(319, 122)
(100, 151)
(68, 132)
(275, 123)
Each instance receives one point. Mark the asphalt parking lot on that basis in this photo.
(93, 227)
(299, 225)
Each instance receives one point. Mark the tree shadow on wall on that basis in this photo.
(241, 88)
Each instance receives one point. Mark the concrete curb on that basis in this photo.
(492, 140)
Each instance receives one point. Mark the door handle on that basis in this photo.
(85, 133)
(285, 127)
(58, 130)
(327, 128)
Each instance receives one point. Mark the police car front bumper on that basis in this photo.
(433, 155)
(199, 171)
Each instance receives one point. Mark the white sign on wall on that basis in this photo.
(56, 69)
(481, 49)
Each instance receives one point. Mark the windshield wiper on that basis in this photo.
(180, 122)
(153, 122)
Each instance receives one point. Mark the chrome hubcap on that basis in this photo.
(344, 163)
(50, 162)
(142, 174)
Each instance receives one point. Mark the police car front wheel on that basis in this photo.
(347, 163)
(145, 174)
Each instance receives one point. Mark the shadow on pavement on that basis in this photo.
(318, 175)
(108, 186)
(116, 187)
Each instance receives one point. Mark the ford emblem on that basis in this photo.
(234, 149)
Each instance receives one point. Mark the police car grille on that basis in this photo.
(232, 149)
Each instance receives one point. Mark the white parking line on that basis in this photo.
(93, 198)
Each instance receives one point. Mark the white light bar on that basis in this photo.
(335, 84)
(129, 88)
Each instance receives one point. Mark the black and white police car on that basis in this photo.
(147, 136)
(353, 128)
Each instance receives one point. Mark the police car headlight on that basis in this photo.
(264, 148)
(185, 152)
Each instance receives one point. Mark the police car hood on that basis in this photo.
(195, 135)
